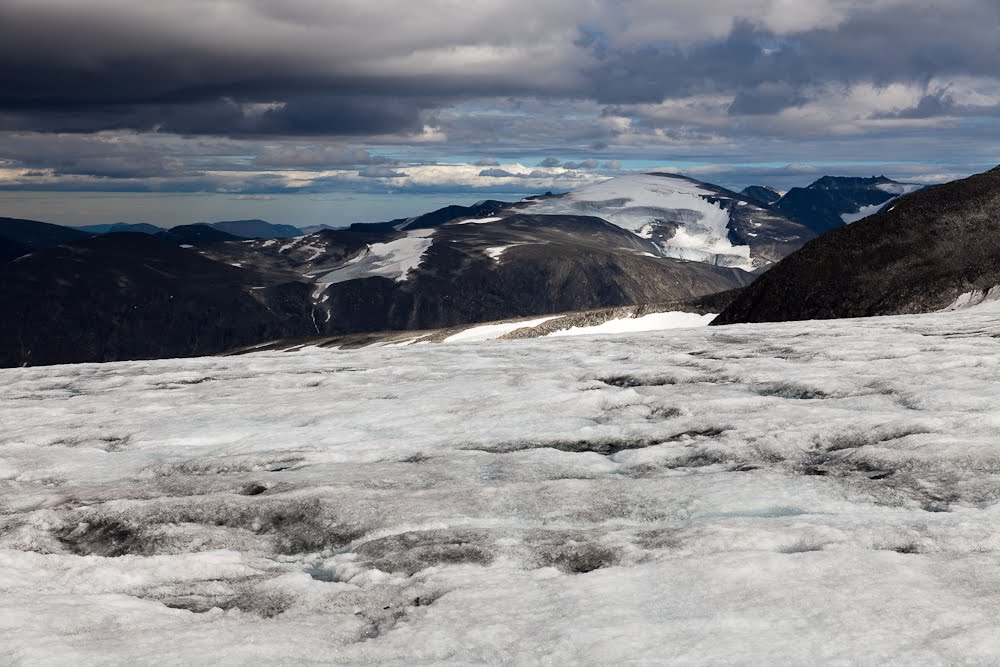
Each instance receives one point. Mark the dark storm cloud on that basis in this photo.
(123, 156)
(767, 71)
(186, 93)
(302, 115)
(312, 155)
(765, 99)
(205, 67)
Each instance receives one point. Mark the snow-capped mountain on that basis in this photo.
(684, 218)
(767, 494)
(935, 247)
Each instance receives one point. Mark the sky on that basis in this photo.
(338, 111)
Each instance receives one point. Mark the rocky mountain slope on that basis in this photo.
(476, 270)
(920, 254)
(835, 201)
(135, 296)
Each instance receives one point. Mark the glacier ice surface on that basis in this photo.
(793, 493)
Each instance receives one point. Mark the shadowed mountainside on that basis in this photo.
(917, 256)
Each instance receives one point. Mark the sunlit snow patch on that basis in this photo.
(862, 213)
(651, 322)
(477, 221)
(496, 252)
(392, 260)
(492, 331)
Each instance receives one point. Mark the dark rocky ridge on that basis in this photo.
(917, 256)
(19, 237)
(134, 296)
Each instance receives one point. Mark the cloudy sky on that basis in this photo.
(336, 111)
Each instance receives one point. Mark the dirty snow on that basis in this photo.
(758, 494)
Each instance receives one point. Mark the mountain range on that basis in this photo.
(246, 229)
(207, 288)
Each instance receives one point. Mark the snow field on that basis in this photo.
(791, 493)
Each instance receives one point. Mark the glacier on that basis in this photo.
(641, 202)
(792, 493)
